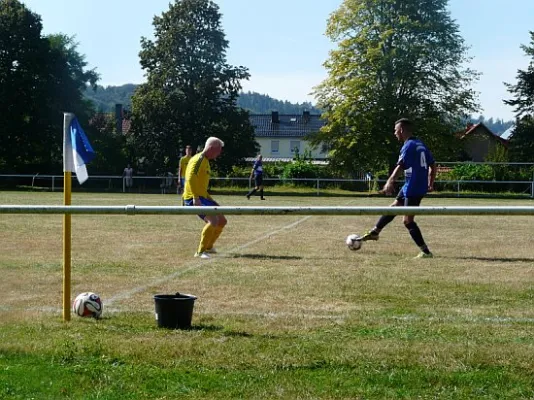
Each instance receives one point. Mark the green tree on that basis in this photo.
(395, 58)
(522, 141)
(523, 90)
(21, 51)
(521, 147)
(112, 155)
(191, 91)
(40, 78)
(62, 90)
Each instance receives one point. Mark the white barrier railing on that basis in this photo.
(155, 184)
(229, 210)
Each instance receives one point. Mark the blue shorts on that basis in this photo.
(258, 180)
(203, 203)
(412, 201)
(182, 182)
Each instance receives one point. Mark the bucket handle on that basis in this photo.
(188, 296)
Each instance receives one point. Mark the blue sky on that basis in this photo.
(282, 43)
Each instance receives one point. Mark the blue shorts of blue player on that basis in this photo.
(212, 230)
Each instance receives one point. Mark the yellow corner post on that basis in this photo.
(66, 248)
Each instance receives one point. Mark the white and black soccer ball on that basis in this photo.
(354, 242)
(88, 304)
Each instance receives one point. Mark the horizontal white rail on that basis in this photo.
(232, 210)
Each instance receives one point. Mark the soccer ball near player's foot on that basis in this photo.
(88, 304)
(354, 242)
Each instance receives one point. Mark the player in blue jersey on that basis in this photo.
(420, 172)
(257, 173)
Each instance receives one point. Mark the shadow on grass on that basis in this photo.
(264, 257)
(216, 328)
(238, 334)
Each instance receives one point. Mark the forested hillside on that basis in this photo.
(105, 98)
(258, 103)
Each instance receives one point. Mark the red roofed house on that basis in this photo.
(479, 142)
(121, 118)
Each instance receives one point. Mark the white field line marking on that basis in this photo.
(140, 289)
(503, 320)
(165, 279)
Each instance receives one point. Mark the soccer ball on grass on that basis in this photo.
(354, 242)
(88, 304)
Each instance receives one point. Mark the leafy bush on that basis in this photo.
(270, 170)
(481, 172)
(300, 169)
(274, 169)
(239, 172)
(473, 172)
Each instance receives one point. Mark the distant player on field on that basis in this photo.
(257, 173)
(420, 172)
(197, 178)
(182, 167)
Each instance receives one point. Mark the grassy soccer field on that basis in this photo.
(284, 311)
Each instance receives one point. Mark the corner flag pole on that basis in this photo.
(66, 247)
(67, 233)
(77, 152)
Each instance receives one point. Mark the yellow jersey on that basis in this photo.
(183, 165)
(197, 177)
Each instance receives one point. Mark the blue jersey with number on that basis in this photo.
(258, 168)
(415, 159)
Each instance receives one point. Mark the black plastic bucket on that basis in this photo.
(174, 311)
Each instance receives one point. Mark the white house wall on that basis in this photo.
(284, 148)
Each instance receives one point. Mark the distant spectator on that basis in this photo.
(166, 182)
(127, 176)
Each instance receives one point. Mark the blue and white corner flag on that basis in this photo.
(77, 150)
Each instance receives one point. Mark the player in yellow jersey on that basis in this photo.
(197, 178)
(182, 167)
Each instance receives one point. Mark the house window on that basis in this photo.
(275, 146)
(295, 146)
